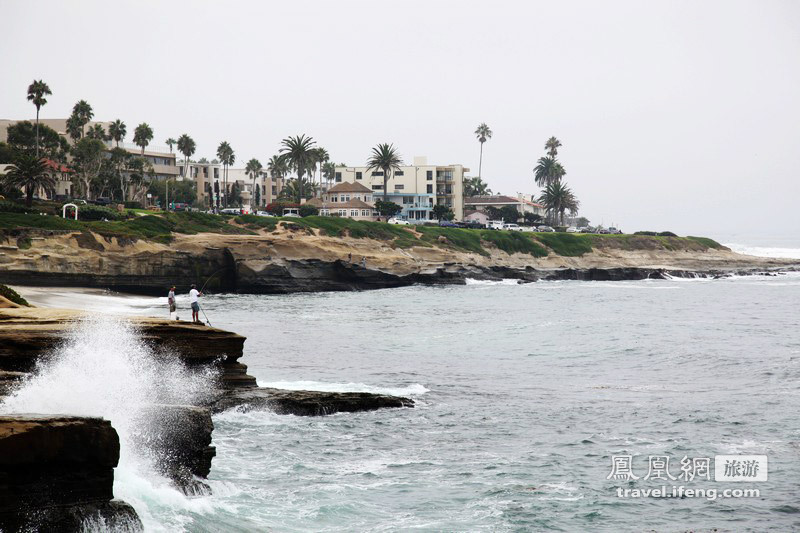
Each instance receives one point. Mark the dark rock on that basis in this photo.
(57, 470)
(307, 403)
(179, 437)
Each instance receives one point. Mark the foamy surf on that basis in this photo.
(411, 390)
(104, 369)
(763, 251)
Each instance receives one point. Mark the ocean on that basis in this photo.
(524, 396)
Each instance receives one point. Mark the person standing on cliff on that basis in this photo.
(193, 294)
(173, 309)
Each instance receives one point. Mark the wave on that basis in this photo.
(763, 251)
(509, 281)
(414, 389)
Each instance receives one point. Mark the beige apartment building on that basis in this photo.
(416, 188)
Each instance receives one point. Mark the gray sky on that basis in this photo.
(673, 115)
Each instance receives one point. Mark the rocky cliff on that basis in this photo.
(290, 258)
(57, 474)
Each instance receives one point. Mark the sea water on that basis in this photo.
(523, 393)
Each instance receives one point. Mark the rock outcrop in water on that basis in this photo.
(178, 436)
(57, 474)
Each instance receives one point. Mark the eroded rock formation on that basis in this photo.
(57, 474)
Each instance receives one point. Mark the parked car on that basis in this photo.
(474, 225)
(495, 224)
(264, 214)
(512, 227)
(291, 215)
(230, 211)
(603, 231)
(586, 229)
(545, 228)
(447, 224)
(572, 229)
(102, 200)
(398, 221)
(615, 231)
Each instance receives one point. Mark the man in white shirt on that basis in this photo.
(193, 294)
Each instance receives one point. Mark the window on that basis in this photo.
(358, 175)
(342, 212)
(408, 199)
(399, 186)
(334, 198)
(345, 197)
(367, 198)
(377, 187)
(377, 173)
(274, 190)
(354, 212)
(338, 177)
(429, 175)
(430, 189)
(399, 173)
(364, 213)
(324, 212)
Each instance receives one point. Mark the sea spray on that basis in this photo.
(103, 368)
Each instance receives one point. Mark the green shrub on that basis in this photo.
(565, 244)
(666, 234)
(13, 296)
(514, 242)
(98, 212)
(307, 210)
(647, 233)
(466, 240)
(705, 241)
(257, 222)
(13, 207)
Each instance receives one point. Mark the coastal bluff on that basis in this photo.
(289, 257)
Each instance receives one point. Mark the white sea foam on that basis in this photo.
(104, 369)
(472, 281)
(764, 251)
(409, 390)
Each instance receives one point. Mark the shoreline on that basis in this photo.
(289, 258)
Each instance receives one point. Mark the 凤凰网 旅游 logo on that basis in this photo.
(726, 468)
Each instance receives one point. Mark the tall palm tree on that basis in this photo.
(117, 130)
(253, 169)
(548, 171)
(329, 171)
(322, 157)
(483, 133)
(298, 152)
(186, 146)
(74, 127)
(552, 145)
(386, 158)
(36, 94)
(83, 113)
(171, 142)
(476, 187)
(557, 199)
(227, 158)
(31, 173)
(142, 136)
(276, 166)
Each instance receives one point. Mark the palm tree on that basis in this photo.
(548, 171)
(384, 157)
(558, 198)
(253, 168)
(329, 171)
(142, 136)
(322, 158)
(31, 173)
(297, 189)
(83, 113)
(96, 131)
(74, 127)
(552, 145)
(483, 134)
(36, 94)
(276, 166)
(117, 130)
(227, 158)
(170, 142)
(186, 146)
(476, 187)
(298, 152)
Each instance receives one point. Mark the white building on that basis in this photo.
(416, 188)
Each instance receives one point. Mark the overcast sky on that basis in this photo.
(673, 115)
